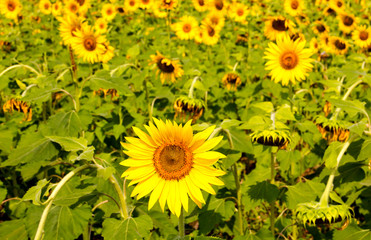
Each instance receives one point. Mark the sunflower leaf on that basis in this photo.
(13, 230)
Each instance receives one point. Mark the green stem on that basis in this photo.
(181, 224)
(147, 98)
(123, 207)
(191, 89)
(272, 204)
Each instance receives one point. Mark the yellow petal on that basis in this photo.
(164, 195)
(209, 144)
(210, 155)
(144, 137)
(135, 163)
(183, 190)
(194, 190)
(201, 183)
(155, 195)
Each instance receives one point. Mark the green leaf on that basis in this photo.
(72, 191)
(64, 124)
(32, 219)
(256, 123)
(332, 153)
(365, 152)
(133, 51)
(70, 143)
(284, 113)
(34, 193)
(351, 107)
(352, 232)
(129, 229)
(303, 192)
(263, 191)
(208, 220)
(13, 230)
(358, 127)
(223, 207)
(162, 221)
(228, 123)
(264, 107)
(241, 141)
(6, 140)
(87, 154)
(66, 223)
(103, 79)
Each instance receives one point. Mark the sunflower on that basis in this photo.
(121, 10)
(84, 6)
(210, 34)
(87, 44)
(169, 70)
(187, 27)
(278, 138)
(294, 7)
(10, 8)
(337, 5)
(57, 8)
(19, 106)
(314, 45)
(68, 25)
(277, 26)
(288, 60)
(71, 7)
(107, 54)
(231, 81)
(131, 5)
(185, 105)
(173, 164)
(100, 25)
(347, 22)
(108, 11)
(216, 19)
(168, 4)
(338, 45)
(320, 27)
(238, 12)
(329, 11)
(362, 36)
(45, 6)
(332, 130)
(200, 5)
(146, 4)
(158, 11)
(217, 5)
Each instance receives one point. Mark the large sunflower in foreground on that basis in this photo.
(10, 8)
(288, 61)
(172, 163)
(169, 70)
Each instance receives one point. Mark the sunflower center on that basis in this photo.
(121, 10)
(173, 162)
(210, 31)
(109, 12)
(294, 4)
(46, 6)
(219, 4)
(340, 45)
(80, 2)
(240, 12)
(363, 35)
(11, 6)
(90, 44)
(73, 8)
(339, 4)
(348, 21)
(145, 1)
(232, 78)
(132, 3)
(279, 25)
(164, 67)
(101, 26)
(321, 28)
(187, 28)
(201, 2)
(289, 60)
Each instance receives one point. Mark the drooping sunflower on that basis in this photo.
(68, 25)
(338, 45)
(294, 7)
(45, 6)
(347, 22)
(169, 70)
(270, 137)
(108, 11)
(19, 106)
(238, 12)
(277, 27)
(210, 34)
(200, 5)
(332, 130)
(192, 107)
(172, 163)
(131, 5)
(231, 81)
(320, 27)
(288, 60)
(88, 44)
(10, 8)
(57, 8)
(362, 36)
(100, 25)
(186, 28)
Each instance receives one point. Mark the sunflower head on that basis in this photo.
(320, 27)
(186, 28)
(362, 36)
(168, 4)
(11, 9)
(294, 7)
(338, 45)
(277, 27)
(347, 22)
(192, 107)
(172, 163)
(278, 138)
(332, 130)
(231, 81)
(106, 92)
(169, 70)
(19, 106)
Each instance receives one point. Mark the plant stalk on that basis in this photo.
(181, 224)
(272, 207)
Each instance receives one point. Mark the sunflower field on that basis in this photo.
(185, 119)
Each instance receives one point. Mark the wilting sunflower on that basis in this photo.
(362, 36)
(169, 70)
(338, 45)
(320, 27)
(69, 23)
(10, 8)
(278, 138)
(231, 81)
(332, 130)
(238, 11)
(87, 44)
(45, 6)
(277, 27)
(172, 163)
(108, 11)
(294, 7)
(210, 34)
(192, 107)
(57, 8)
(217, 5)
(347, 22)
(131, 5)
(19, 106)
(288, 60)
(106, 92)
(100, 25)
(200, 5)
(186, 29)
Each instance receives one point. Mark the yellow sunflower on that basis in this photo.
(107, 54)
(158, 11)
(87, 44)
(337, 5)
(217, 5)
(277, 27)
(169, 70)
(238, 12)
(338, 45)
(320, 27)
(362, 36)
(168, 4)
(347, 22)
(314, 45)
(100, 25)
(84, 6)
(294, 7)
(45, 6)
(216, 19)
(108, 11)
(288, 61)
(57, 8)
(10, 8)
(200, 5)
(210, 34)
(146, 4)
(173, 164)
(68, 25)
(131, 5)
(71, 7)
(186, 29)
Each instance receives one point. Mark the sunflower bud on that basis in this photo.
(276, 138)
(189, 106)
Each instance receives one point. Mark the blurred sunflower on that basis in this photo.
(168, 4)
(231, 81)
(10, 8)
(100, 25)
(121, 10)
(288, 61)
(186, 29)
(362, 36)
(238, 12)
(217, 5)
(84, 6)
(169, 70)
(19, 106)
(146, 4)
(200, 5)
(71, 7)
(320, 27)
(338, 45)
(107, 54)
(57, 8)
(68, 25)
(314, 45)
(216, 19)
(347, 22)
(108, 11)
(277, 27)
(45, 6)
(87, 44)
(172, 163)
(270, 137)
(294, 7)
(131, 5)
(158, 11)
(337, 5)
(329, 11)
(210, 34)
(192, 107)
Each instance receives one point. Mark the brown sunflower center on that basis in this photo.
(11, 6)
(289, 60)
(348, 21)
(219, 4)
(132, 3)
(173, 162)
(109, 11)
(90, 44)
(210, 31)
(339, 4)
(46, 6)
(340, 45)
(121, 10)
(240, 12)
(363, 35)
(232, 78)
(187, 28)
(145, 1)
(330, 11)
(294, 4)
(80, 2)
(270, 141)
(73, 8)
(214, 20)
(201, 2)
(101, 26)
(321, 28)
(164, 67)
(279, 25)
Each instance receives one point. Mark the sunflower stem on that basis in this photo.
(123, 207)
(181, 224)
(168, 30)
(191, 89)
(273, 174)
(147, 98)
